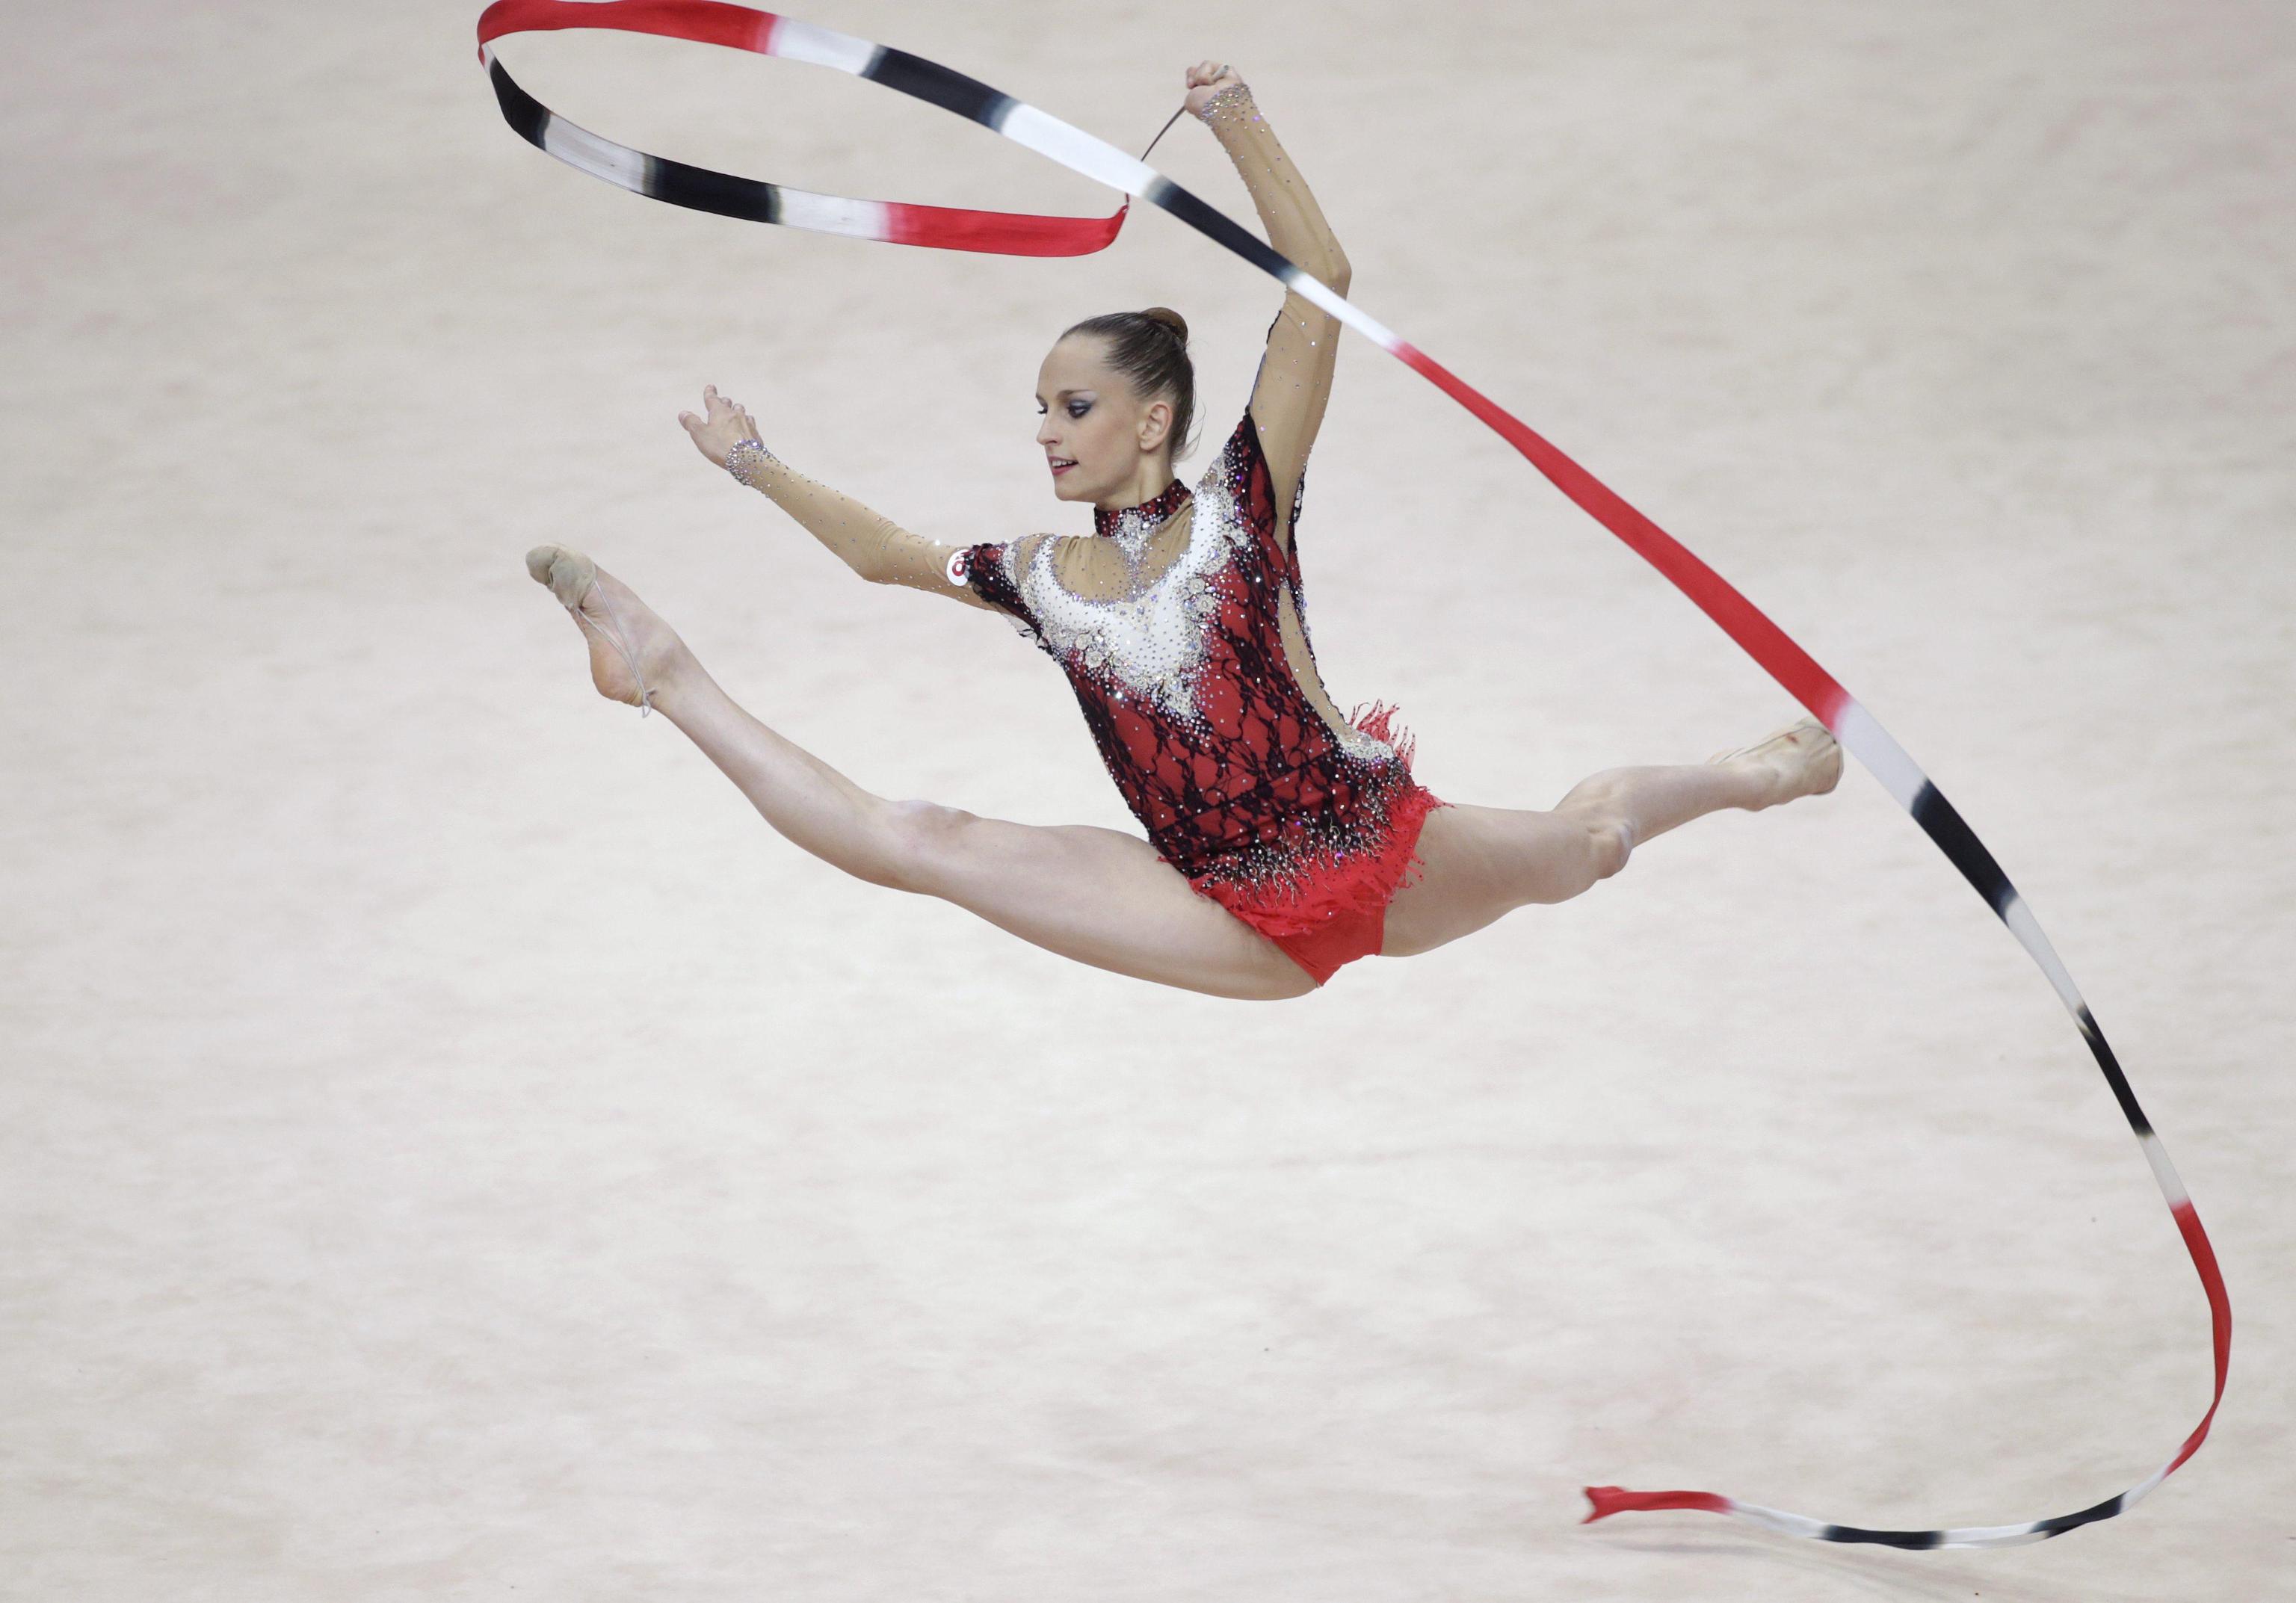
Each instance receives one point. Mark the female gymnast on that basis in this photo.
(1283, 840)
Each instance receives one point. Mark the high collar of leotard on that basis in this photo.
(1139, 520)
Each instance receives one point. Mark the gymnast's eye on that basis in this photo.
(1076, 409)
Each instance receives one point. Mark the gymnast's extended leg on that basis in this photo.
(1479, 863)
(1099, 896)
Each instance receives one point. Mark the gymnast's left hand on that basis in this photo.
(728, 422)
(1206, 79)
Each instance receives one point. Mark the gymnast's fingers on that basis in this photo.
(698, 431)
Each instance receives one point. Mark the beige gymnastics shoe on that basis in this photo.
(1805, 756)
(582, 590)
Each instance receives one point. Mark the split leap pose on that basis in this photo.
(1283, 840)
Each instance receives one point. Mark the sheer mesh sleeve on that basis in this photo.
(873, 546)
(1295, 372)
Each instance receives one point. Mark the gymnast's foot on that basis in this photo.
(1801, 759)
(634, 656)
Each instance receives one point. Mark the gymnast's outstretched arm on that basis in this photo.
(1303, 342)
(872, 544)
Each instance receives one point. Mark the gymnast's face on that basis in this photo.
(1091, 417)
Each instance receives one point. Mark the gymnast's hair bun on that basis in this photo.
(1170, 319)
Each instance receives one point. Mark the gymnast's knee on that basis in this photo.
(1612, 841)
(917, 842)
(1601, 840)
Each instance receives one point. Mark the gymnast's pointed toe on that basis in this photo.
(632, 651)
(566, 572)
(1803, 759)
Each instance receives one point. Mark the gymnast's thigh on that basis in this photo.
(1099, 897)
(1477, 865)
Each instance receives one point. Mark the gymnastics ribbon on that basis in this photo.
(741, 27)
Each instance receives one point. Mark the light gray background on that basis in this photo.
(450, 1147)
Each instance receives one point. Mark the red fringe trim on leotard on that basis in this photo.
(1380, 725)
(1330, 883)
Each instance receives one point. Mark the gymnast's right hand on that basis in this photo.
(714, 436)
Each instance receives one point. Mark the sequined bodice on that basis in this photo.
(1176, 655)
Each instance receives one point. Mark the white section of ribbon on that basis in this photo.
(796, 41)
(1874, 745)
(833, 214)
(601, 158)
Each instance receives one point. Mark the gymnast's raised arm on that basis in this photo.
(873, 546)
(1295, 374)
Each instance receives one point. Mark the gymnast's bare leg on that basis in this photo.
(1098, 896)
(1481, 863)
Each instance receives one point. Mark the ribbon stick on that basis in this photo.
(765, 33)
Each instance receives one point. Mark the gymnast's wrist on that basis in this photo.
(1231, 106)
(749, 460)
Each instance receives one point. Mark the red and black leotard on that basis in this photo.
(1170, 623)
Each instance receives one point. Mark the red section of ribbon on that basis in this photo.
(1617, 1499)
(704, 21)
(1000, 232)
(2204, 1259)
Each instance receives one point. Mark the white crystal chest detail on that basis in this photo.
(1151, 643)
